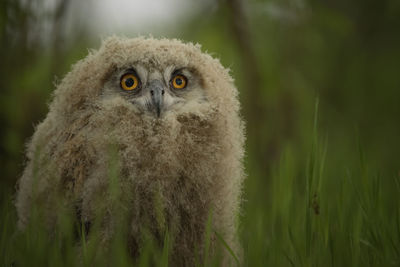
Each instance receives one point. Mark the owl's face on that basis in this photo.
(155, 90)
(158, 79)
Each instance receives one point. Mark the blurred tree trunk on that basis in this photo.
(58, 23)
(23, 49)
(58, 20)
(264, 152)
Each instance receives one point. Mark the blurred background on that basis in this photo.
(285, 56)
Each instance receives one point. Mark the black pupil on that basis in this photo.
(178, 81)
(129, 82)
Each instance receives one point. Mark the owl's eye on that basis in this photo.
(129, 82)
(179, 82)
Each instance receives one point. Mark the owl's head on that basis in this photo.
(153, 77)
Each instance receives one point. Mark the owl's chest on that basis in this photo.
(170, 153)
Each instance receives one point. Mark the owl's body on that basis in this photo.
(175, 153)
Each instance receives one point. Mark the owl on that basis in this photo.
(148, 128)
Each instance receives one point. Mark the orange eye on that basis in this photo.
(129, 82)
(179, 82)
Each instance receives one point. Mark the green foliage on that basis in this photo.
(322, 214)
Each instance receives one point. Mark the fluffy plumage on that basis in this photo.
(180, 165)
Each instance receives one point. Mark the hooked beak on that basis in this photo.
(157, 95)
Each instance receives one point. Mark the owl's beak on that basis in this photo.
(157, 95)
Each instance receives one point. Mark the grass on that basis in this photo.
(308, 211)
(322, 214)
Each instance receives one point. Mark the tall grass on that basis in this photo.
(320, 213)
(308, 211)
